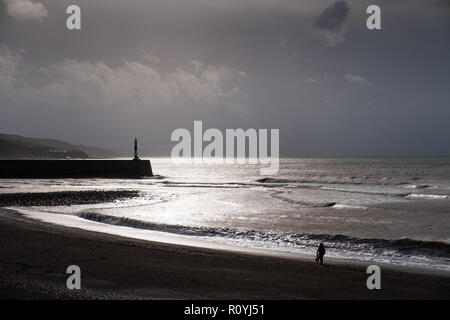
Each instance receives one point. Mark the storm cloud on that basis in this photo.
(309, 68)
(331, 22)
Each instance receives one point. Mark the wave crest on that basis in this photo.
(405, 246)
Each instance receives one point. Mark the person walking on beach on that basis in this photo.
(320, 253)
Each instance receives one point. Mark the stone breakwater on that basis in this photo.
(54, 169)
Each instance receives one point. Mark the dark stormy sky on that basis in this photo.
(310, 68)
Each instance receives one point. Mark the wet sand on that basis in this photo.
(34, 257)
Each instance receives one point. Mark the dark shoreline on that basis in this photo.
(64, 198)
(35, 255)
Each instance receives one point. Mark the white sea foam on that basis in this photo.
(426, 196)
(348, 206)
(418, 186)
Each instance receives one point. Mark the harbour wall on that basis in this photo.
(48, 169)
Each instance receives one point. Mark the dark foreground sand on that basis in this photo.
(34, 257)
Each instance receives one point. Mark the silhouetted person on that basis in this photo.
(320, 253)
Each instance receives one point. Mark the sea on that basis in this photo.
(392, 211)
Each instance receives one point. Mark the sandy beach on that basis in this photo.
(34, 258)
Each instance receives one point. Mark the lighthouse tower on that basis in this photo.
(135, 150)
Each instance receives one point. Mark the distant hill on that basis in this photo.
(15, 146)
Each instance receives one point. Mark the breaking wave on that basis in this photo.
(426, 196)
(372, 247)
(277, 195)
(306, 181)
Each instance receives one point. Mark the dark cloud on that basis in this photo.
(333, 17)
(144, 68)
